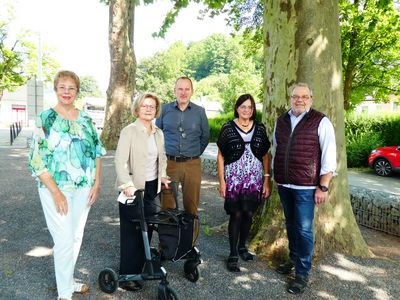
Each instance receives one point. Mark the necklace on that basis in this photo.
(243, 125)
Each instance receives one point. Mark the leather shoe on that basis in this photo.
(245, 254)
(131, 286)
(232, 264)
(285, 268)
(297, 285)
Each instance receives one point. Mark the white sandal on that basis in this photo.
(80, 288)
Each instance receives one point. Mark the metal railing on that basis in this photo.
(15, 129)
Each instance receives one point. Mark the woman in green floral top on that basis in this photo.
(65, 159)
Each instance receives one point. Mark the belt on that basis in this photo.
(181, 158)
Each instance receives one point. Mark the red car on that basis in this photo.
(385, 160)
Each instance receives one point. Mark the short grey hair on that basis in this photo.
(302, 84)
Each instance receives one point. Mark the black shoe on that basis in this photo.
(297, 285)
(285, 268)
(131, 286)
(232, 264)
(246, 255)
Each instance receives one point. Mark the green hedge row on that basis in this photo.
(366, 132)
(363, 133)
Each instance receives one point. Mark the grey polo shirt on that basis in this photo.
(186, 133)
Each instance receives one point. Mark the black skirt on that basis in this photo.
(244, 202)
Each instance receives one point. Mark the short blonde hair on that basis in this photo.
(68, 74)
(139, 101)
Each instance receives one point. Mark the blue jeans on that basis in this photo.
(298, 207)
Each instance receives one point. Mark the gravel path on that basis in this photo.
(26, 264)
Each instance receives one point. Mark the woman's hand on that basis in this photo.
(165, 181)
(60, 202)
(266, 188)
(93, 195)
(129, 191)
(222, 188)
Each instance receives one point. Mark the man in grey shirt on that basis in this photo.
(186, 134)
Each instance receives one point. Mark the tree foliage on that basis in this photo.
(19, 55)
(89, 87)
(158, 73)
(11, 63)
(211, 56)
(370, 50)
(217, 64)
(370, 38)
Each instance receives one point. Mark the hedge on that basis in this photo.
(363, 133)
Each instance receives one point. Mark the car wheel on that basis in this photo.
(382, 167)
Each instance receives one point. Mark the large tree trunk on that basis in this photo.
(302, 44)
(123, 67)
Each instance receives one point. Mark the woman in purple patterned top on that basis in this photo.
(243, 171)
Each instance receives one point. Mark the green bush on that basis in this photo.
(366, 132)
(359, 147)
(217, 122)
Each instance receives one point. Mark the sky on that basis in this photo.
(78, 31)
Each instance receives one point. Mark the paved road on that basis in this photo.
(370, 181)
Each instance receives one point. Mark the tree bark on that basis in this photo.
(123, 68)
(302, 44)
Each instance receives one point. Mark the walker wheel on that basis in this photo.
(108, 281)
(165, 292)
(191, 269)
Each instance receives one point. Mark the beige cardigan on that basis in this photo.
(131, 156)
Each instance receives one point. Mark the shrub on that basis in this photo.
(358, 147)
(217, 122)
(366, 132)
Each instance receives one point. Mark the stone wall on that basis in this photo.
(373, 209)
(209, 165)
(376, 209)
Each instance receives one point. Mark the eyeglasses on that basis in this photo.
(148, 107)
(297, 97)
(182, 132)
(68, 89)
(244, 107)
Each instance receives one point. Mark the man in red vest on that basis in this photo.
(304, 164)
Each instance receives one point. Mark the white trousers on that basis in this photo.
(67, 234)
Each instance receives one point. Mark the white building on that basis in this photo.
(371, 107)
(22, 105)
(212, 108)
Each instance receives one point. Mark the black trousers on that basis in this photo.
(131, 241)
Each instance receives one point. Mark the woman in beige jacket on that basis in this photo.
(140, 163)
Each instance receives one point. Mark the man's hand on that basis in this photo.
(320, 196)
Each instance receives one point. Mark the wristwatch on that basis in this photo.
(323, 188)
